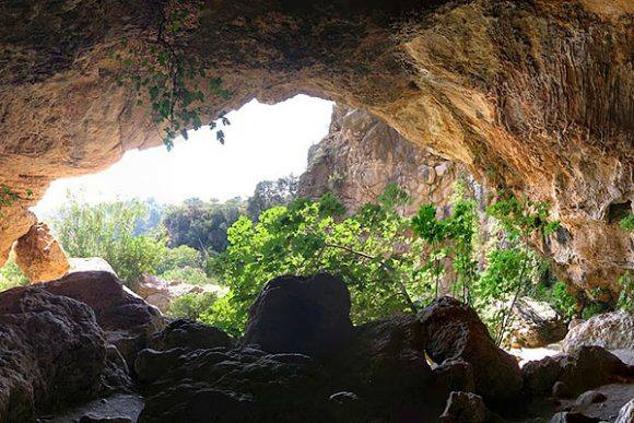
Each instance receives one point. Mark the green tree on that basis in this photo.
(202, 225)
(373, 252)
(108, 231)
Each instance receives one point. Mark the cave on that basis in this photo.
(530, 97)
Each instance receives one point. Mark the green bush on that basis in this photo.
(180, 257)
(374, 253)
(627, 223)
(190, 275)
(192, 305)
(11, 275)
(108, 231)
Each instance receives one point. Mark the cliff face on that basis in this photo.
(537, 96)
(361, 155)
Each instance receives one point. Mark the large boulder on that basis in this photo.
(220, 385)
(52, 354)
(568, 375)
(127, 320)
(536, 324)
(39, 255)
(453, 331)
(385, 365)
(612, 331)
(307, 315)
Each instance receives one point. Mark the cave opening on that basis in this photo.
(618, 211)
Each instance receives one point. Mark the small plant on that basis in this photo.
(627, 223)
(192, 305)
(626, 297)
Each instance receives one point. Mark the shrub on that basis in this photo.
(108, 231)
(11, 275)
(192, 305)
(190, 275)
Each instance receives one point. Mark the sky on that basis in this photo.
(263, 142)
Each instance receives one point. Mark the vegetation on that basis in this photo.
(389, 262)
(627, 223)
(11, 275)
(108, 231)
(202, 225)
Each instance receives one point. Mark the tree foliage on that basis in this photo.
(108, 231)
(269, 194)
(374, 252)
(202, 225)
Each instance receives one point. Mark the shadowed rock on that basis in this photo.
(308, 315)
(52, 354)
(455, 332)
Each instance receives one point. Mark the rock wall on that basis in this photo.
(536, 95)
(361, 155)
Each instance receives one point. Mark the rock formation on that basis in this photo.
(613, 331)
(361, 155)
(55, 353)
(40, 256)
(535, 96)
(535, 324)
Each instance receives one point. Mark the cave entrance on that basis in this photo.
(265, 150)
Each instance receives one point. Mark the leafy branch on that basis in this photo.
(170, 77)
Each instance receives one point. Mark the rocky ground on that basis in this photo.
(84, 349)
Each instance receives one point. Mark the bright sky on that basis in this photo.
(263, 142)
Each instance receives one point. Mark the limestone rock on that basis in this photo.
(183, 333)
(612, 331)
(90, 264)
(361, 155)
(567, 376)
(160, 293)
(307, 315)
(454, 331)
(40, 256)
(52, 354)
(127, 320)
(536, 324)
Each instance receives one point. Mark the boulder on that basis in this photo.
(127, 320)
(230, 386)
(160, 293)
(184, 333)
(568, 375)
(385, 365)
(612, 331)
(308, 315)
(39, 255)
(453, 331)
(536, 324)
(626, 414)
(52, 354)
(464, 407)
(90, 264)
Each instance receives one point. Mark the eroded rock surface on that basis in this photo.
(534, 96)
(309, 315)
(40, 256)
(613, 331)
(454, 331)
(127, 320)
(536, 324)
(361, 155)
(566, 376)
(52, 354)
